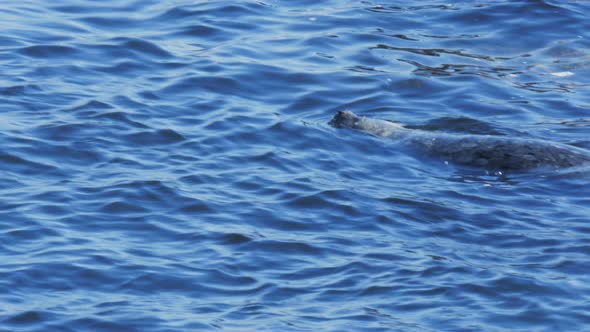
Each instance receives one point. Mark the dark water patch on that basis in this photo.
(20, 165)
(175, 283)
(270, 159)
(239, 26)
(413, 87)
(467, 36)
(431, 212)
(26, 318)
(63, 131)
(19, 89)
(91, 105)
(399, 36)
(434, 52)
(123, 208)
(176, 13)
(126, 7)
(136, 196)
(323, 200)
(142, 47)
(211, 33)
(157, 137)
(120, 118)
(134, 53)
(227, 279)
(287, 248)
(123, 68)
(77, 153)
(394, 8)
(55, 277)
(198, 179)
(231, 10)
(49, 51)
(235, 239)
(127, 163)
(109, 23)
(462, 69)
(30, 234)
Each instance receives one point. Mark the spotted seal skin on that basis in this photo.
(491, 152)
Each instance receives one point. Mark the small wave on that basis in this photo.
(123, 208)
(462, 69)
(155, 137)
(142, 47)
(19, 89)
(49, 51)
(396, 9)
(205, 31)
(124, 68)
(435, 52)
(20, 165)
(120, 118)
(110, 23)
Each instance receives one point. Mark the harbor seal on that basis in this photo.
(498, 153)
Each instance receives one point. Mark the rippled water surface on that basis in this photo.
(168, 166)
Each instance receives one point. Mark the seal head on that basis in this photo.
(377, 127)
(344, 119)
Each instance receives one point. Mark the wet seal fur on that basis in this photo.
(490, 152)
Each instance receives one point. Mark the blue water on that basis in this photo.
(168, 166)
